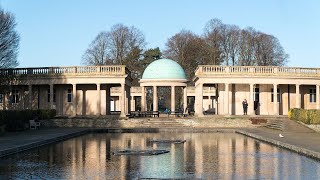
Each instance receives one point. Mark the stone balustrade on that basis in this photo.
(71, 70)
(257, 70)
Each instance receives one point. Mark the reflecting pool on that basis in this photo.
(202, 156)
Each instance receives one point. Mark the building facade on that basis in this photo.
(104, 90)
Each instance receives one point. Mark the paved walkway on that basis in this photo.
(13, 142)
(297, 137)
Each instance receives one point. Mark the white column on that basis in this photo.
(127, 102)
(98, 100)
(173, 98)
(227, 103)
(155, 98)
(123, 100)
(199, 100)
(214, 105)
(185, 99)
(74, 99)
(51, 96)
(275, 99)
(317, 96)
(298, 97)
(30, 96)
(133, 104)
(143, 98)
(251, 101)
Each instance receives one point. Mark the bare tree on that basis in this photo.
(213, 38)
(246, 47)
(9, 40)
(97, 53)
(114, 46)
(187, 49)
(229, 43)
(268, 51)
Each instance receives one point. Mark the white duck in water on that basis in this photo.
(280, 135)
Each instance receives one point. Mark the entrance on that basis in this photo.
(256, 99)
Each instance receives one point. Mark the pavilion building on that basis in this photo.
(104, 90)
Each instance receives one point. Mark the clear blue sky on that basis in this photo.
(57, 32)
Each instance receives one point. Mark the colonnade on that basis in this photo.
(155, 98)
(124, 101)
(227, 101)
(126, 98)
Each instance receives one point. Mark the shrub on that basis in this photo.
(16, 119)
(307, 116)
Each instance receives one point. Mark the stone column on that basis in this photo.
(74, 99)
(98, 99)
(214, 106)
(275, 99)
(155, 98)
(298, 97)
(30, 96)
(199, 100)
(317, 96)
(123, 100)
(133, 104)
(51, 96)
(227, 103)
(143, 98)
(173, 98)
(251, 101)
(185, 99)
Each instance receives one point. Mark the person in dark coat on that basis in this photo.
(245, 106)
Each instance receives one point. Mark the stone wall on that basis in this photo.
(91, 123)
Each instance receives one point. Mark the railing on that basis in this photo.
(256, 70)
(110, 70)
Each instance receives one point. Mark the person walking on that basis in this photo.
(245, 106)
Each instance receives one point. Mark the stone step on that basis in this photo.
(169, 124)
(277, 124)
(162, 123)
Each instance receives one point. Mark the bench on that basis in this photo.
(151, 113)
(115, 112)
(155, 113)
(34, 124)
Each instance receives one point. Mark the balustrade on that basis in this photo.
(112, 70)
(258, 70)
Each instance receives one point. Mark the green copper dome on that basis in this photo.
(164, 69)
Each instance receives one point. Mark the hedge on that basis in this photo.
(16, 119)
(307, 116)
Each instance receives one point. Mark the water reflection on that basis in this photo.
(203, 156)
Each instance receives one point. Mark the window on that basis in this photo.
(15, 96)
(312, 95)
(278, 95)
(69, 96)
(1, 97)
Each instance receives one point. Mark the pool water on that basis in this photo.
(202, 156)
